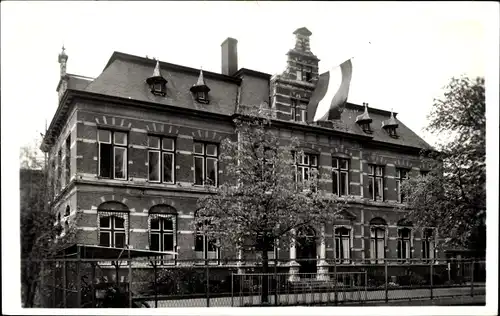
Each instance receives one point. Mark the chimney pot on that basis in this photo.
(229, 62)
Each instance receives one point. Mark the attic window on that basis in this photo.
(201, 96)
(392, 132)
(158, 88)
(366, 127)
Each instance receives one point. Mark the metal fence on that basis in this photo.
(204, 283)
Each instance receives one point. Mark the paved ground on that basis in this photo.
(396, 297)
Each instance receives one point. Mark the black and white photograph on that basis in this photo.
(249, 157)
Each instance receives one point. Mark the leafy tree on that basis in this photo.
(453, 196)
(261, 204)
(38, 229)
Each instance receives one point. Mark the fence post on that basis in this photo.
(42, 285)
(275, 278)
(432, 277)
(335, 281)
(65, 283)
(78, 281)
(129, 279)
(208, 282)
(472, 278)
(54, 290)
(386, 281)
(232, 289)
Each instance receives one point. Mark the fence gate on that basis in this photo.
(274, 289)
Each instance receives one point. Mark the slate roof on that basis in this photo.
(125, 76)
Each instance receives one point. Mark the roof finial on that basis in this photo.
(156, 72)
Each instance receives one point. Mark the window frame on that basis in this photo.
(338, 170)
(428, 244)
(67, 159)
(373, 177)
(206, 157)
(309, 165)
(404, 243)
(339, 239)
(114, 145)
(112, 230)
(206, 240)
(374, 240)
(399, 181)
(294, 107)
(162, 151)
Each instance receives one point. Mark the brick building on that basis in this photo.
(131, 150)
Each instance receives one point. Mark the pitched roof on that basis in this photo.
(125, 75)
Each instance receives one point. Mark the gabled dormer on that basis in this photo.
(200, 89)
(364, 120)
(157, 84)
(390, 126)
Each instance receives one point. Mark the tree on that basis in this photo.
(39, 228)
(453, 196)
(261, 204)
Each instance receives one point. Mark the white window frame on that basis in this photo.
(338, 240)
(373, 177)
(430, 240)
(374, 246)
(337, 171)
(205, 157)
(112, 230)
(404, 243)
(114, 144)
(399, 180)
(162, 151)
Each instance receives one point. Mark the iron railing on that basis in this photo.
(154, 282)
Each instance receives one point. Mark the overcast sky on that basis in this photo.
(415, 48)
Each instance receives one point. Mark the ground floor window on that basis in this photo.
(343, 244)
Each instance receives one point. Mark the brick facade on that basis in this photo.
(141, 115)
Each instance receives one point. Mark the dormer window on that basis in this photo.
(364, 120)
(156, 82)
(200, 89)
(390, 126)
(392, 132)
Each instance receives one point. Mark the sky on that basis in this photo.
(416, 47)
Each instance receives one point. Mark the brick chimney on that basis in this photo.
(229, 56)
(302, 40)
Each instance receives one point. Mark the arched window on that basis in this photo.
(68, 211)
(377, 239)
(343, 244)
(162, 228)
(112, 224)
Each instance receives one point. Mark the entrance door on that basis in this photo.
(306, 249)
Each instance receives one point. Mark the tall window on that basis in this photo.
(68, 159)
(162, 234)
(305, 164)
(299, 72)
(308, 73)
(295, 110)
(112, 231)
(401, 175)
(205, 247)
(342, 244)
(205, 164)
(161, 159)
(376, 182)
(59, 170)
(404, 243)
(428, 244)
(377, 239)
(112, 154)
(340, 176)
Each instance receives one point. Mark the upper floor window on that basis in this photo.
(424, 173)
(404, 243)
(401, 176)
(376, 182)
(205, 163)
(112, 154)
(161, 159)
(299, 72)
(365, 126)
(308, 73)
(294, 109)
(305, 165)
(428, 243)
(68, 159)
(59, 170)
(340, 176)
(342, 244)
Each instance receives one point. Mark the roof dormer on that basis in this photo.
(200, 89)
(391, 125)
(364, 120)
(156, 82)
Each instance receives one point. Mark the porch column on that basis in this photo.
(322, 264)
(294, 265)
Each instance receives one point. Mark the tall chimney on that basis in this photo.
(229, 56)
